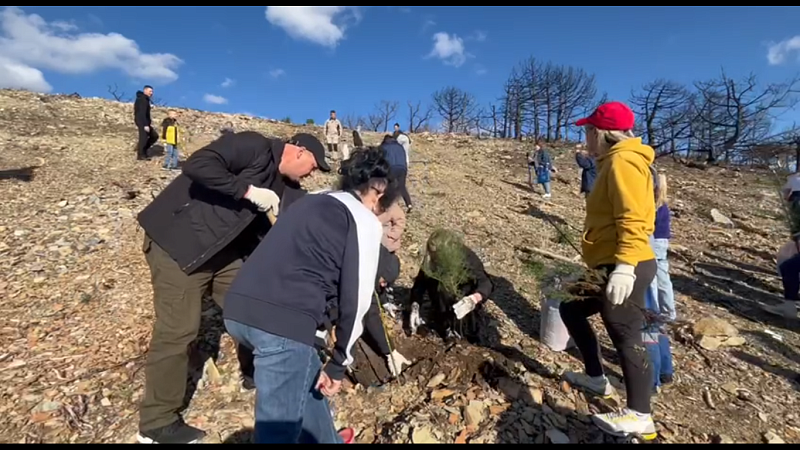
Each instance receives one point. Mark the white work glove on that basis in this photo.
(147, 129)
(264, 198)
(620, 284)
(396, 361)
(415, 321)
(465, 306)
(391, 309)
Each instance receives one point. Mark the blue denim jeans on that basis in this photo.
(659, 349)
(289, 410)
(790, 276)
(662, 283)
(171, 158)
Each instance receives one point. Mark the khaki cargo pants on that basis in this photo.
(177, 299)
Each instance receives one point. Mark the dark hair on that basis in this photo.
(147, 86)
(397, 125)
(387, 138)
(368, 168)
(333, 111)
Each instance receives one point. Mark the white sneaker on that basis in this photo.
(547, 195)
(597, 386)
(787, 309)
(627, 423)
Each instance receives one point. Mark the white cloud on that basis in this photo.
(779, 52)
(450, 49)
(323, 25)
(277, 73)
(480, 70)
(29, 44)
(19, 76)
(479, 36)
(427, 25)
(228, 83)
(215, 99)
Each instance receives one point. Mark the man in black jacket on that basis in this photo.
(141, 116)
(197, 233)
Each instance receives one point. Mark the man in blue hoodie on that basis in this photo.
(396, 155)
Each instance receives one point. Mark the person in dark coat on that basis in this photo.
(456, 283)
(588, 170)
(141, 117)
(198, 231)
(396, 155)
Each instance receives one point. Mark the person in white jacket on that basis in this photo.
(404, 140)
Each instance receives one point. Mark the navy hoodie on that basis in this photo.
(323, 251)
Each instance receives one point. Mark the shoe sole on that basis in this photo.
(647, 437)
(146, 440)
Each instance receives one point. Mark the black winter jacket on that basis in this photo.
(203, 210)
(141, 110)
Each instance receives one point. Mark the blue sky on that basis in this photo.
(289, 61)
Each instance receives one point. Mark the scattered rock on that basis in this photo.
(423, 435)
(721, 219)
(722, 439)
(713, 333)
(475, 413)
(557, 437)
(436, 381)
(771, 438)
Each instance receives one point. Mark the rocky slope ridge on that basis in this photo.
(76, 311)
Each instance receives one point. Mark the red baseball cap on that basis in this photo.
(610, 116)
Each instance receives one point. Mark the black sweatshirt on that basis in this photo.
(323, 251)
(141, 110)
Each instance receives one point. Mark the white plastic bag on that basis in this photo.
(553, 332)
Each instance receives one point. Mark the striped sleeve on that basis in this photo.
(356, 283)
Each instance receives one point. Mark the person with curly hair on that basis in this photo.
(323, 252)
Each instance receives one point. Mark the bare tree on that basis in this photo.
(116, 94)
(159, 102)
(352, 121)
(734, 114)
(456, 108)
(385, 112)
(417, 117)
(664, 112)
(374, 121)
(543, 99)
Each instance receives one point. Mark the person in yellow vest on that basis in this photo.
(171, 136)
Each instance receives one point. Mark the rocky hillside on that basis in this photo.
(76, 309)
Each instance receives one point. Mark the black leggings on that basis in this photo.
(402, 174)
(625, 324)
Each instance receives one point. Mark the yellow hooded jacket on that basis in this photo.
(620, 210)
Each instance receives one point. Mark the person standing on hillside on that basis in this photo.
(620, 217)
(197, 233)
(141, 117)
(396, 155)
(333, 132)
(228, 129)
(405, 141)
(170, 134)
(588, 170)
(542, 164)
(322, 254)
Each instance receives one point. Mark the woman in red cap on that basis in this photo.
(620, 217)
